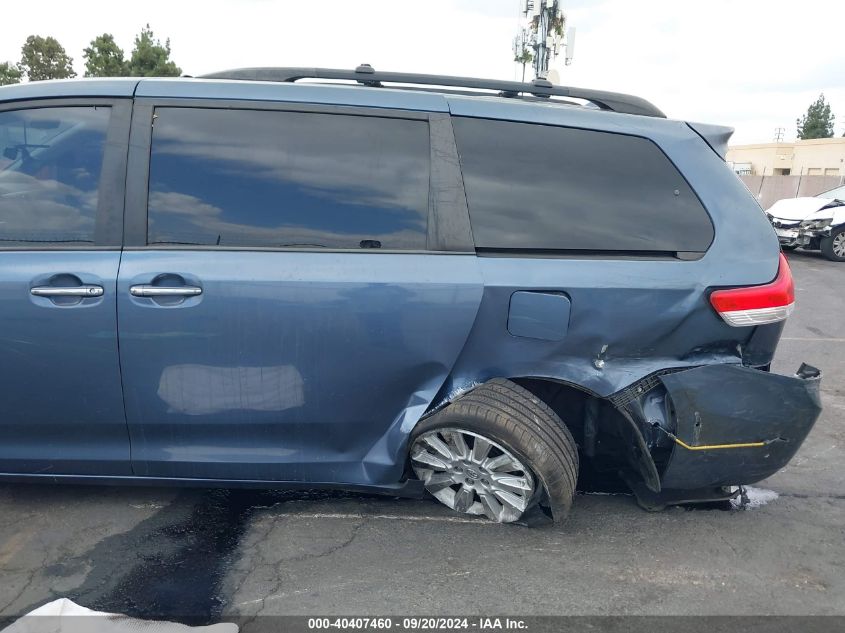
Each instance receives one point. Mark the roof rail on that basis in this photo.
(368, 76)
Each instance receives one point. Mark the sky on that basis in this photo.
(755, 65)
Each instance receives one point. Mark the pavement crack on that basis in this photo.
(306, 557)
(729, 544)
(253, 553)
(16, 597)
(332, 550)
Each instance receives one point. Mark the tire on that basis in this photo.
(833, 247)
(512, 421)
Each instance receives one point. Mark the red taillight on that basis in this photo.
(757, 305)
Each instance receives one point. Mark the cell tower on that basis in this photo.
(543, 38)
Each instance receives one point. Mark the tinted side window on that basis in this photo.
(287, 179)
(50, 162)
(552, 188)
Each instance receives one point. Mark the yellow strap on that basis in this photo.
(708, 447)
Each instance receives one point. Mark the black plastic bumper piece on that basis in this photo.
(736, 425)
(658, 501)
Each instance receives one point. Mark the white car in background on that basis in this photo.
(815, 223)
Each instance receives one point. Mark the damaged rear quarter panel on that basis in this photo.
(629, 318)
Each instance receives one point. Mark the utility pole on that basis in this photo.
(779, 134)
(542, 49)
(543, 38)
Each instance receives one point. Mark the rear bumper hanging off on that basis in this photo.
(735, 425)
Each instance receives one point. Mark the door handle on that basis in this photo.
(164, 291)
(67, 291)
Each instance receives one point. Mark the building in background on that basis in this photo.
(814, 157)
(773, 171)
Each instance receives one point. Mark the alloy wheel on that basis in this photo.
(473, 474)
(839, 244)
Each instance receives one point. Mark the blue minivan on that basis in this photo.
(385, 282)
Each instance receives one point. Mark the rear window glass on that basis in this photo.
(50, 174)
(538, 187)
(288, 179)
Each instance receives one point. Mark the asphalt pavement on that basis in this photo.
(200, 556)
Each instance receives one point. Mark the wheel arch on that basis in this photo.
(608, 438)
(508, 413)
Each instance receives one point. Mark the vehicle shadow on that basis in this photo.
(801, 254)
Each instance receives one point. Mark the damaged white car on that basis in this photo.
(816, 223)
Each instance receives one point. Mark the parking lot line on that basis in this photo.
(394, 517)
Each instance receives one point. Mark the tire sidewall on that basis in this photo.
(827, 245)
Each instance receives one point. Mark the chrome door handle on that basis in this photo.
(165, 291)
(67, 291)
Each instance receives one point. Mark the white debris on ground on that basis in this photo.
(756, 497)
(65, 616)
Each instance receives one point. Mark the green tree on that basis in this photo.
(9, 74)
(524, 57)
(150, 58)
(818, 122)
(44, 58)
(104, 58)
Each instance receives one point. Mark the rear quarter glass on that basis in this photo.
(539, 187)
